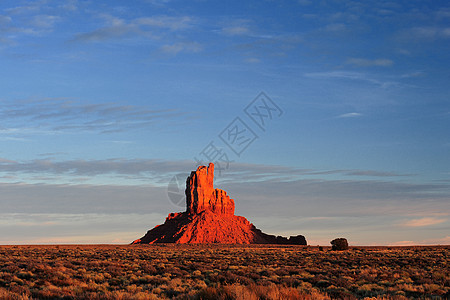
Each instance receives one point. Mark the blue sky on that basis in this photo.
(103, 102)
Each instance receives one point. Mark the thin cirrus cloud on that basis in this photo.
(33, 19)
(236, 30)
(424, 34)
(45, 21)
(261, 183)
(362, 62)
(12, 29)
(175, 48)
(236, 27)
(340, 75)
(423, 222)
(93, 167)
(430, 32)
(62, 115)
(172, 23)
(57, 228)
(334, 28)
(158, 173)
(350, 115)
(353, 76)
(237, 171)
(149, 27)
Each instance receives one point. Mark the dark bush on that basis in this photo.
(339, 244)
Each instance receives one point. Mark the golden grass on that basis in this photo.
(222, 272)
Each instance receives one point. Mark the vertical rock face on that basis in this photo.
(201, 195)
(209, 218)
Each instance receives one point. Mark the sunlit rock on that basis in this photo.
(209, 218)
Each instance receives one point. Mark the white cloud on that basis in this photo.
(158, 2)
(160, 171)
(117, 30)
(337, 27)
(176, 48)
(412, 74)
(236, 30)
(252, 60)
(172, 23)
(350, 115)
(4, 20)
(44, 21)
(357, 76)
(149, 27)
(237, 27)
(69, 5)
(425, 33)
(305, 2)
(361, 62)
(32, 7)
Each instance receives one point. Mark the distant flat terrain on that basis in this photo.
(222, 271)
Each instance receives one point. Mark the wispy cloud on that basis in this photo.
(335, 28)
(252, 60)
(169, 22)
(249, 182)
(350, 115)
(4, 20)
(238, 172)
(237, 27)
(84, 198)
(349, 75)
(236, 30)
(45, 228)
(34, 6)
(192, 47)
(48, 116)
(327, 202)
(437, 241)
(431, 32)
(412, 74)
(424, 34)
(372, 173)
(114, 28)
(149, 27)
(338, 74)
(45, 21)
(305, 2)
(423, 222)
(362, 62)
(94, 167)
(158, 2)
(403, 243)
(28, 20)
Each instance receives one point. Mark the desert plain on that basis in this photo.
(218, 271)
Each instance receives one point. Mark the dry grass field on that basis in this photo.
(222, 272)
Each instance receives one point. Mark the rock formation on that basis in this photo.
(209, 218)
(201, 195)
(339, 244)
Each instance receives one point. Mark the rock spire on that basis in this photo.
(209, 218)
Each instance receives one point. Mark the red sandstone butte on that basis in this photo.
(209, 218)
